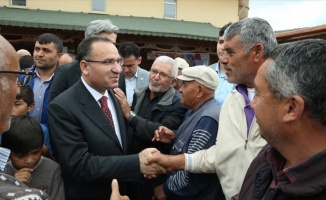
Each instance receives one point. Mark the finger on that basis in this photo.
(118, 91)
(25, 170)
(156, 136)
(115, 186)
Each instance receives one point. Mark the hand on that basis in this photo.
(24, 175)
(163, 134)
(122, 99)
(150, 170)
(115, 195)
(159, 193)
(169, 162)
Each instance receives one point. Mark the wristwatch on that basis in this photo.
(131, 116)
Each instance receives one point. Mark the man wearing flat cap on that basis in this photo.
(198, 131)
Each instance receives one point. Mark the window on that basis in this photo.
(99, 5)
(170, 9)
(18, 2)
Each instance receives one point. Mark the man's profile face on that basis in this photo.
(189, 91)
(239, 67)
(8, 83)
(219, 49)
(268, 109)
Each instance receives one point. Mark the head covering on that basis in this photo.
(23, 52)
(181, 63)
(202, 75)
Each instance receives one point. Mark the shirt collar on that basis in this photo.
(93, 92)
(38, 75)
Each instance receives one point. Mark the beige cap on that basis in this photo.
(181, 63)
(201, 74)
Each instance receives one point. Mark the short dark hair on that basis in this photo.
(221, 31)
(24, 135)
(27, 94)
(128, 49)
(46, 38)
(26, 62)
(84, 49)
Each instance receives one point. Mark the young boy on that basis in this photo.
(24, 103)
(25, 141)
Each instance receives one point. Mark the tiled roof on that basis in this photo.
(302, 32)
(127, 24)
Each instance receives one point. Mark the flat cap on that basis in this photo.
(202, 75)
(181, 63)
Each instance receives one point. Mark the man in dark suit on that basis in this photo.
(91, 144)
(68, 74)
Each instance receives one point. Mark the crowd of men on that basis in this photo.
(251, 126)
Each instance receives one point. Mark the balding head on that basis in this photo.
(8, 87)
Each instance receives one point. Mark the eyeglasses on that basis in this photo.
(108, 61)
(24, 76)
(160, 74)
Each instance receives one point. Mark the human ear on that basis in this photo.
(30, 107)
(84, 67)
(293, 108)
(258, 51)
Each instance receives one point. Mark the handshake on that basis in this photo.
(152, 162)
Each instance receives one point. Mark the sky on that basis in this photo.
(289, 14)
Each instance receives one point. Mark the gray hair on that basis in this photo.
(252, 31)
(99, 26)
(170, 61)
(299, 68)
(4, 63)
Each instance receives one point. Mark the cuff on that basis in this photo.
(189, 165)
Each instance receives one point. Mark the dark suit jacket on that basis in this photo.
(88, 149)
(67, 75)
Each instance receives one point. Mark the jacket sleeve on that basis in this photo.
(183, 183)
(59, 83)
(146, 128)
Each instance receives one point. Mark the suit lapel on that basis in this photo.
(120, 120)
(93, 111)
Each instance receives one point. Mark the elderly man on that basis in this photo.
(290, 106)
(10, 188)
(68, 74)
(155, 105)
(88, 129)
(247, 44)
(198, 131)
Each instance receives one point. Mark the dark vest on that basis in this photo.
(210, 109)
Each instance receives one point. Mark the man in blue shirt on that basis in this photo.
(224, 87)
(47, 52)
